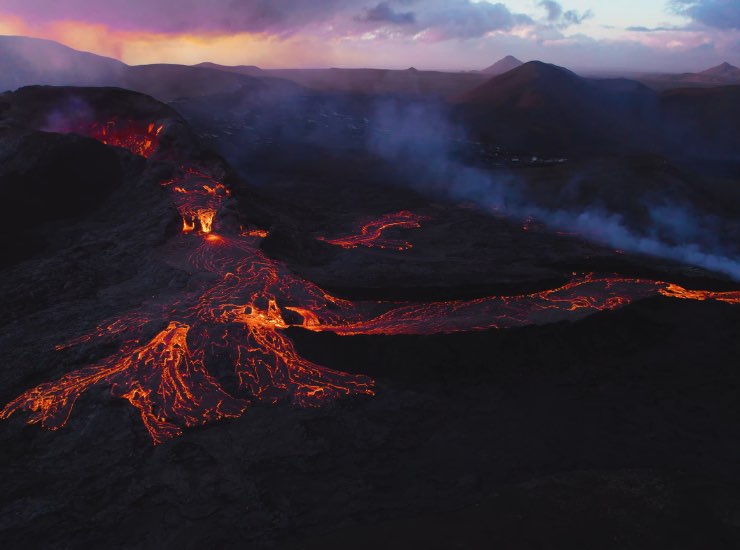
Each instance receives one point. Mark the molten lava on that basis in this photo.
(674, 291)
(138, 138)
(162, 378)
(371, 234)
(232, 323)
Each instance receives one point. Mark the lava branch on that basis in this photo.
(167, 383)
(371, 233)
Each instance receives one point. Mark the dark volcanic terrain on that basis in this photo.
(600, 415)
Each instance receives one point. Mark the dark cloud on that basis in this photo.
(463, 19)
(653, 29)
(572, 17)
(560, 18)
(174, 16)
(721, 14)
(433, 19)
(384, 13)
(554, 10)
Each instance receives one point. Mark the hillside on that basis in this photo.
(30, 61)
(503, 65)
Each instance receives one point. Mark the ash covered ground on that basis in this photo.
(615, 429)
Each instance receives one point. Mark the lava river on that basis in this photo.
(171, 354)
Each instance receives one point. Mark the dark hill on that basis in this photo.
(249, 70)
(25, 61)
(546, 108)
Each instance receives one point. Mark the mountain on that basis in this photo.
(408, 82)
(549, 109)
(28, 61)
(25, 61)
(528, 85)
(503, 66)
(725, 71)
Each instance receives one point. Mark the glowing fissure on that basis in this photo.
(168, 352)
(371, 233)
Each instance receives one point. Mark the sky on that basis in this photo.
(640, 35)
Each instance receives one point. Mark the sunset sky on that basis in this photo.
(428, 34)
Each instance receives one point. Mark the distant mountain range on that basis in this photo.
(721, 75)
(532, 106)
(547, 108)
(25, 61)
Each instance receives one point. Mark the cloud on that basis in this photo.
(640, 28)
(435, 20)
(464, 19)
(384, 13)
(572, 17)
(554, 10)
(185, 16)
(720, 14)
(560, 18)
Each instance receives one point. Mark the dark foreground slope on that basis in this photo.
(615, 431)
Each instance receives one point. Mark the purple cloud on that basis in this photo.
(463, 19)
(176, 16)
(435, 19)
(560, 18)
(721, 14)
(384, 13)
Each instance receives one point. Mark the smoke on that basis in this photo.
(420, 139)
(72, 114)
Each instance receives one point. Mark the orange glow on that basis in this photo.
(674, 291)
(205, 217)
(163, 379)
(371, 233)
(187, 225)
(129, 135)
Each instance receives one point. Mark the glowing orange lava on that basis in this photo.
(138, 138)
(371, 234)
(674, 291)
(236, 317)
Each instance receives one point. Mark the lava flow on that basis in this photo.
(371, 234)
(174, 355)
